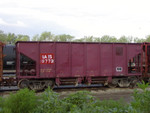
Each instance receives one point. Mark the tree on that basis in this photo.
(11, 38)
(97, 39)
(3, 36)
(107, 38)
(124, 39)
(45, 36)
(22, 38)
(63, 38)
(79, 40)
(113, 39)
(137, 40)
(147, 38)
(35, 37)
(89, 39)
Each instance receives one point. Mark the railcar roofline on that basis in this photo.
(77, 42)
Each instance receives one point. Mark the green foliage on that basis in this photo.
(107, 38)
(112, 106)
(88, 39)
(139, 40)
(11, 38)
(45, 36)
(78, 99)
(24, 101)
(147, 38)
(125, 39)
(3, 36)
(22, 38)
(79, 40)
(63, 38)
(1, 104)
(143, 85)
(50, 103)
(141, 100)
(48, 36)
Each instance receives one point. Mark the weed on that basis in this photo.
(50, 103)
(24, 101)
(141, 100)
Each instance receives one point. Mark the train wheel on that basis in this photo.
(50, 84)
(110, 85)
(124, 83)
(24, 83)
(134, 83)
(36, 85)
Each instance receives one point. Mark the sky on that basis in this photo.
(78, 18)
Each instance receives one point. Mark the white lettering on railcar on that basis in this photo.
(46, 58)
(119, 69)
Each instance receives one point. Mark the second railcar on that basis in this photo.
(64, 63)
(1, 61)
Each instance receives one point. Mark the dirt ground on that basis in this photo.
(126, 96)
(111, 93)
(102, 94)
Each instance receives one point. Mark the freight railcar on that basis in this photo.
(8, 70)
(1, 61)
(43, 64)
(9, 60)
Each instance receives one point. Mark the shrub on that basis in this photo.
(80, 102)
(50, 103)
(79, 98)
(112, 106)
(1, 104)
(141, 100)
(24, 101)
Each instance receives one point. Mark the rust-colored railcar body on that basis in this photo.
(65, 63)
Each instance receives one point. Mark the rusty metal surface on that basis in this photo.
(77, 59)
(146, 60)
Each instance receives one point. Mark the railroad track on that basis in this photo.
(79, 88)
(64, 88)
(9, 88)
(15, 88)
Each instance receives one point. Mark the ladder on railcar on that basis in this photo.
(146, 60)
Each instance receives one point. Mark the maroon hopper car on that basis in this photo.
(64, 63)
